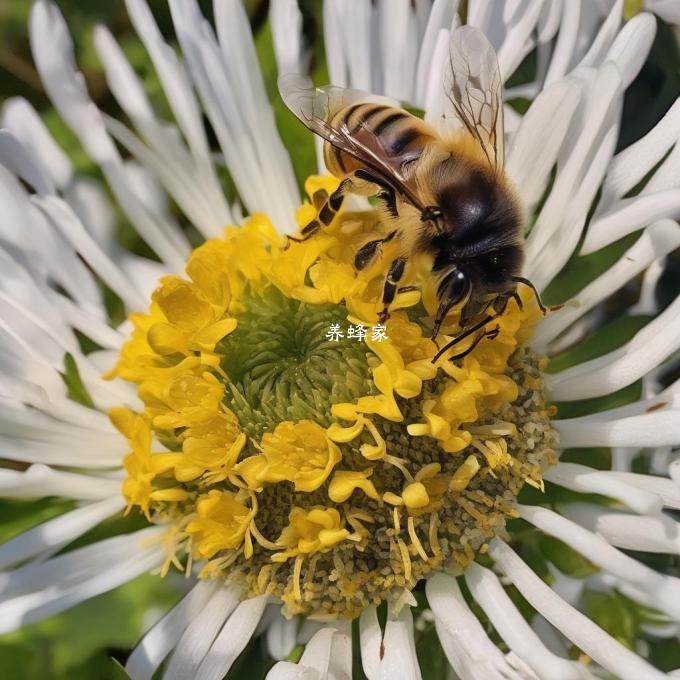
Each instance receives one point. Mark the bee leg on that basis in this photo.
(327, 208)
(493, 333)
(319, 198)
(368, 251)
(526, 282)
(394, 275)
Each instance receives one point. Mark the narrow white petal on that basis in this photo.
(53, 54)
(325, 657)
(632, 45)
(518, 41)
(60, 213)
(23, 162)
(36, 591)
(660, 534)
(659, 428)
(40, 480)
(588, 480)
(513, 628)
(19, 116)
(629, 215)
(656, 242)
(441, 17)
(668, 10)
(664, 591)
(159, 641)
(667, 489)
(58, 532)
(286, 23)
(566, 41)
(370, 638)
(649, 347)
(468, 648)
(600, 646)
(605, 37)
(580, 150)
(281, 636)
(630, 165)
(200, 634)
(232, 639)
(539, 138)
(399, 656)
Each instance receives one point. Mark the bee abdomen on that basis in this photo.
(392, 134)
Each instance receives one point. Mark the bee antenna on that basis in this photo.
(526, 282)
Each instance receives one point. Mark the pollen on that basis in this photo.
(330, 470)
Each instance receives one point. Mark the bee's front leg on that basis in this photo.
(394, 275)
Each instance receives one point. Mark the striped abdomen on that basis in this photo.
(393, 134)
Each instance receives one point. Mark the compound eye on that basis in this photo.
(454, 287)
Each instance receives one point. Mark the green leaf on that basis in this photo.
(431, 658)
(118, 671)
(613, 614)
(565, 558)
(76, 390)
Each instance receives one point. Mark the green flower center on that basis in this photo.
(282, 366)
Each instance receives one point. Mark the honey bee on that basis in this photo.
(446, 196)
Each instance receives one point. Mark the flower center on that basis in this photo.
(330, 469)
(282, 367)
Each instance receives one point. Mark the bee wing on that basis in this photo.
(316, 107)
(474, 87)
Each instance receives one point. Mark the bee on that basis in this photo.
(445, 196)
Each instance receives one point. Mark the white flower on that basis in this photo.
(58, 233)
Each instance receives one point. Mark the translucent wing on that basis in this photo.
(316, 107)
(474, 87)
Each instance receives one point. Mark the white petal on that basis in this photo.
(370, 638)
(22, 161)
(660, 239)
(327, 656)
(629, 215)
(441, 17)
(630, 165)
(231, 641)
(58, 532)
(399, 655)
(583, 479)
(615, 370)
(600, 646)
(668, 10)
(157, 643)
(539, 138)
(53, 54)
(40, 480)
(513, 628)
(286, 22)
(659, 534)
(666, 488)
(598, 114)
(200, 634)
(282, 636)
(19, 116)
(468, 648)
(659, 428)
(632, 45)
(664, 591)
(36, 591)
(60, 213)
(605, 37)
(566, 42)
(230, 84)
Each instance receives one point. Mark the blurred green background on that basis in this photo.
(84, 642)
